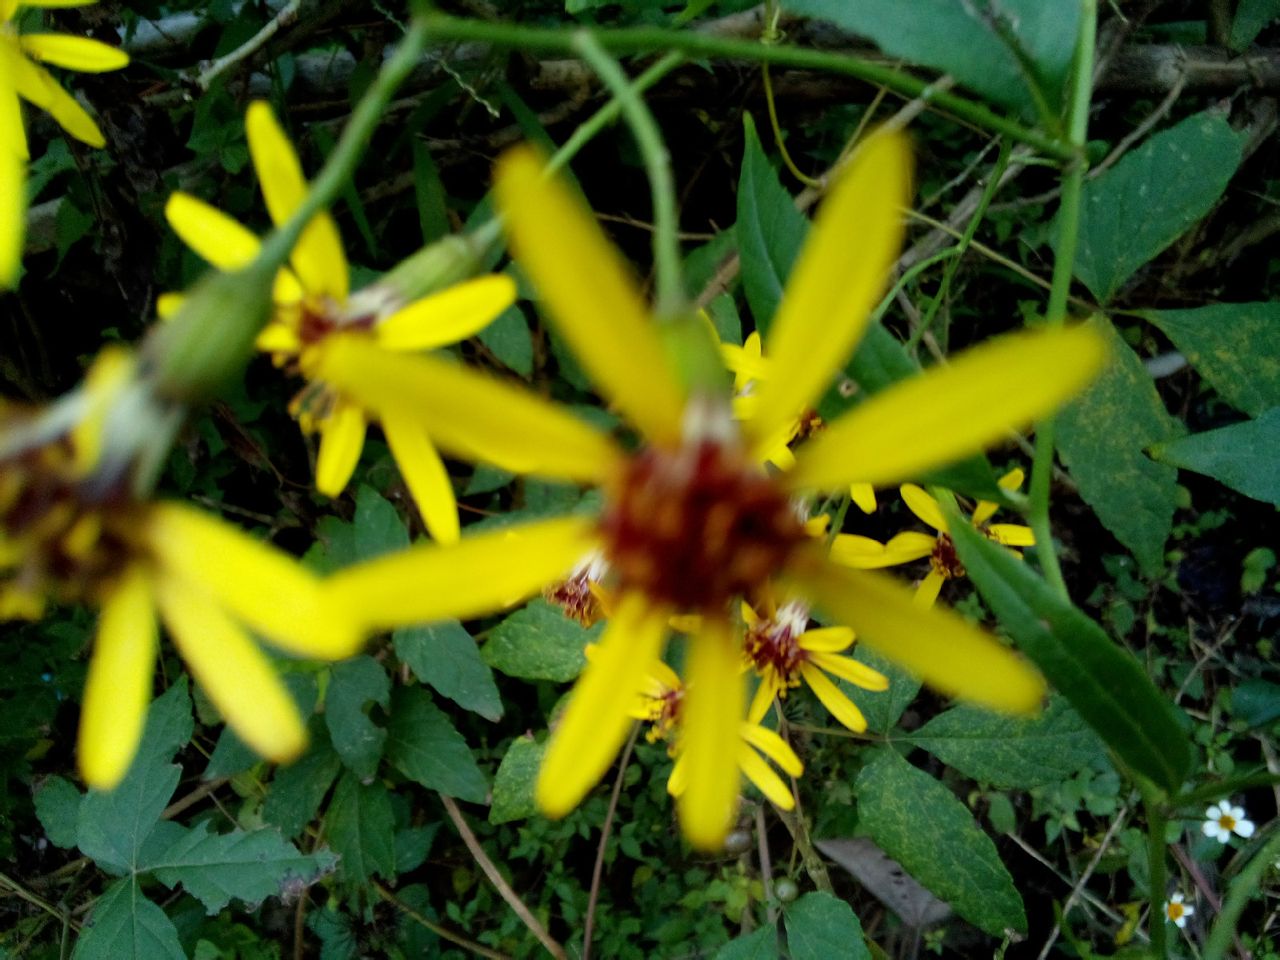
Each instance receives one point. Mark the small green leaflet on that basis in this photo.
(358, 740)
(538, 642)
(1244, 456)
(423, 745)
(760, 944)
(821, 926)
(445, 656)
(361, 828)
(513, 783)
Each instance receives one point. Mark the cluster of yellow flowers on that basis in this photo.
(703, 528)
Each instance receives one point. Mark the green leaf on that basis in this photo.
(424, 746)
(353, 684)
(821, 926)
(1244, 456)
(433, 215)
(538, 642)
(883, 709)
(1255, 703)
(298, 789)
(247, 865)
(446, 656)
(361, 829)
(230, 756)
(1251, 17)
(1105, 684)
(513, 783)
(1234, 346)
(761, 944)
(509, 339)
(412, 845)
(919, 822)
(125, 925)
(1010, 751)
(1133, 211)
(378, 527)
(58, 807)
(1003, 50)
(1102, 435)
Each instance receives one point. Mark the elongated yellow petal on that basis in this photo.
(265, 587)
(480, 574)
(762, 699)
(773, 747)
(983, 511)
(168, 305)
(926, 594)
(318, 258)
(712, 717)
(467, 413)
(74, 53)
(825, 639)
(35, 84)
(449, 316)
(864, 496)
(278, 338)
(923, 506)
(846, 668)
(589, 293)
(840, 274)
(13, 169)
(939, 646)
(596, 722)
(1012, 534)
(232, 670)
(765, 780)
(833, 698)
(425, 475)
(863, 553)
(341, 441)
(678, 782)
(118, 686)
(218, 238)
(951, 411)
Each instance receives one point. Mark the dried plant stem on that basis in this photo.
(597, 872)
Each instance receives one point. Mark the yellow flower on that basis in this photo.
(691, 523)
(315, 309)
(71, 530)
(22, 55)
(13, 175)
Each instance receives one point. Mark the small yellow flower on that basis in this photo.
(315, 308)
(22, 55)
(71, 530)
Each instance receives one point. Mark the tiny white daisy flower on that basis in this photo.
(1222, 820)
(1177, 911)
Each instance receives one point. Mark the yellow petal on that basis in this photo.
(923, 506)
(864, 495)
(480, 574)
(825, 639)
(232, 670)
(1012, 534)
(939, 646)
(846, 668)
(863, 553)
(712, 714)
(74, 53)
(216, 237)
(1011, 480)
(425, 475)
(318, 258)
(951, 411)
(467, 413)
(103, 384)
(926, 594)
(118, 686)
(35, 84)
(665, 677)
(765, 780)
(773, 747)
(341, 441)
(840, 274)
(762, 699)
(265, 587)
(596, 722)
(13, 169)
(678, 782)
(447, 317)
(278, 338)
(168, 305)
(983, 511)
(589, 293)
(833, 698)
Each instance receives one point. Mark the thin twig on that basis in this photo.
(597, 872)
(499, 883)
(444, 933)
(766, 867)
(288, 13)
(1084, 878)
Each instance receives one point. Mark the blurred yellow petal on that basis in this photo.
(764, 778)
(926, 594)
(219, 239)
(678, 782)
(833, 698)
(951, 411)
(1012, 534)
(468, 413)
(480, 574)
(836, 281)
(118, 686)
(711, 717)
(595, 723)
(74, 53)
(826, 639)
(265, 587)
(35, 84)
(589, 293)
(923, 506)
(425, 475)
(846, 668)
(236, 675)
(13, 170)
(773, 747)
(278, 338)
(447, 317)
(853, 550)
(939, 646)
(168, 305)
(864, 495)
(664, 675)
(103, 384)
(341, 441)
(1011, 480)
(762, 699)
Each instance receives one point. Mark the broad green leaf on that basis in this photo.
(821, 926)
(247, 865)
(353, 685)
(423, 745)
(1003, 50)
(760, 944)
(1234, 346)
(58, 807)
(1106, 685)
(114, 826)
(125, 925)
(538, 642)
(921, 824)
(1251, 16)
(1256, 702)
(1009, 751)
(230, 756)
(412, 845)
(1244, 456)
(379, 528)
(882, 709)
(298, 789)
(1133, 211)
(513, 783)
(446, 656)
(361, 829)
(509, 339)
(1102, 436)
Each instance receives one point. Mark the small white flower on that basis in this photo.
(1222, 820)
(1177, 911)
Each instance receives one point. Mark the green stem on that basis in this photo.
(706, 46)
(1060, 286)
(670, 299)
(1244, 887)
(1157, 872)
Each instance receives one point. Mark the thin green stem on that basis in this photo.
(707, 46)
(670, 299)
(907, 276)
(1157, 868)
(778, 139)
(1244, 887)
